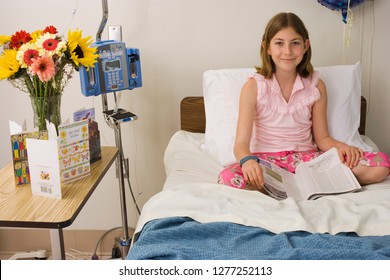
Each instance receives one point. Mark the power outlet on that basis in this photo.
(115, 33)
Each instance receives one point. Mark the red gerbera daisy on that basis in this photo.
(20, 38)
(29, 55)
(50, 44)
(50, 29)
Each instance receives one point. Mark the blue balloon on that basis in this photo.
(340, 5)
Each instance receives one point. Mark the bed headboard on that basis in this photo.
(193, 117)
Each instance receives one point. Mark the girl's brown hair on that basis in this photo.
(277, 23)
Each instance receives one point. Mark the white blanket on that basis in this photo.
(190, 191)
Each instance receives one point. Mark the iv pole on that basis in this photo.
(115, 124)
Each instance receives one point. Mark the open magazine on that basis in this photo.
(324, 175)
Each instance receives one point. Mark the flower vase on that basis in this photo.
(46, 108)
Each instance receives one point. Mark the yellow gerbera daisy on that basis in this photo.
(4, 39)
(35, 35)
(80, 52)
(8, 64)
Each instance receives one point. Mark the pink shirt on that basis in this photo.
(280, 125)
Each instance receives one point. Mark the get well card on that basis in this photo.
(60, 159)
(74, 155)
(44, 167)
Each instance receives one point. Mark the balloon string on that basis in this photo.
(348, 26)
(73, 14)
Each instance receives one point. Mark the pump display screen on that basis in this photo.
(112, 65)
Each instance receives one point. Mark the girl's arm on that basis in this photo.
(248, 99)
(348, 154)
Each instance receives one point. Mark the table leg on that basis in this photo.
(57, 244)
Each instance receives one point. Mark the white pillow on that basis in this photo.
(221, 91)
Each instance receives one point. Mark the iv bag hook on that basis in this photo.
(103, 22)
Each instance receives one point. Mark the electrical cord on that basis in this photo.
(129, 184)
(94, 255)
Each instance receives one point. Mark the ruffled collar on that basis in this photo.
(298, 85)
(304, 93)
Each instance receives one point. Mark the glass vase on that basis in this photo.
(46, 108)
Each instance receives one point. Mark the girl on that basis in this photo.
(282, 113)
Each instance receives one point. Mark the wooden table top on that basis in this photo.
(20, 208)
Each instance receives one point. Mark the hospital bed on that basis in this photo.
(193, 217)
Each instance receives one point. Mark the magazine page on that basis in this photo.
(325, 175)
(277, 181)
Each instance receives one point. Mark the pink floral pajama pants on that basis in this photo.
(232, 175)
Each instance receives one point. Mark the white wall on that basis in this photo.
(178, 41)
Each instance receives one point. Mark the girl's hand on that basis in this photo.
(253, 174)
(350, 155)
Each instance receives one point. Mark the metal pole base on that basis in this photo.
(125, 246)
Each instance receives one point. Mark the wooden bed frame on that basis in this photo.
(193, 117)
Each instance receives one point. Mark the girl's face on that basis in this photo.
(286, 49)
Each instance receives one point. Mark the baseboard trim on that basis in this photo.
(79, 244)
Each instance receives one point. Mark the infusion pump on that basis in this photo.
(118, 68)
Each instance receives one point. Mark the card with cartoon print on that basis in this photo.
(74, 155)
(20, 156)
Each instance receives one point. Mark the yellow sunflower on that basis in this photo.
(80, 52)
(9, 65)
(4, 39)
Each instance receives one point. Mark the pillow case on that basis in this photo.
(221, 91)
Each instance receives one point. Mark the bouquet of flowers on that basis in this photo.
(41, 64)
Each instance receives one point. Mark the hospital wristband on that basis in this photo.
(245, 159)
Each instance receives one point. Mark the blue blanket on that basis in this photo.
(185, 239)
